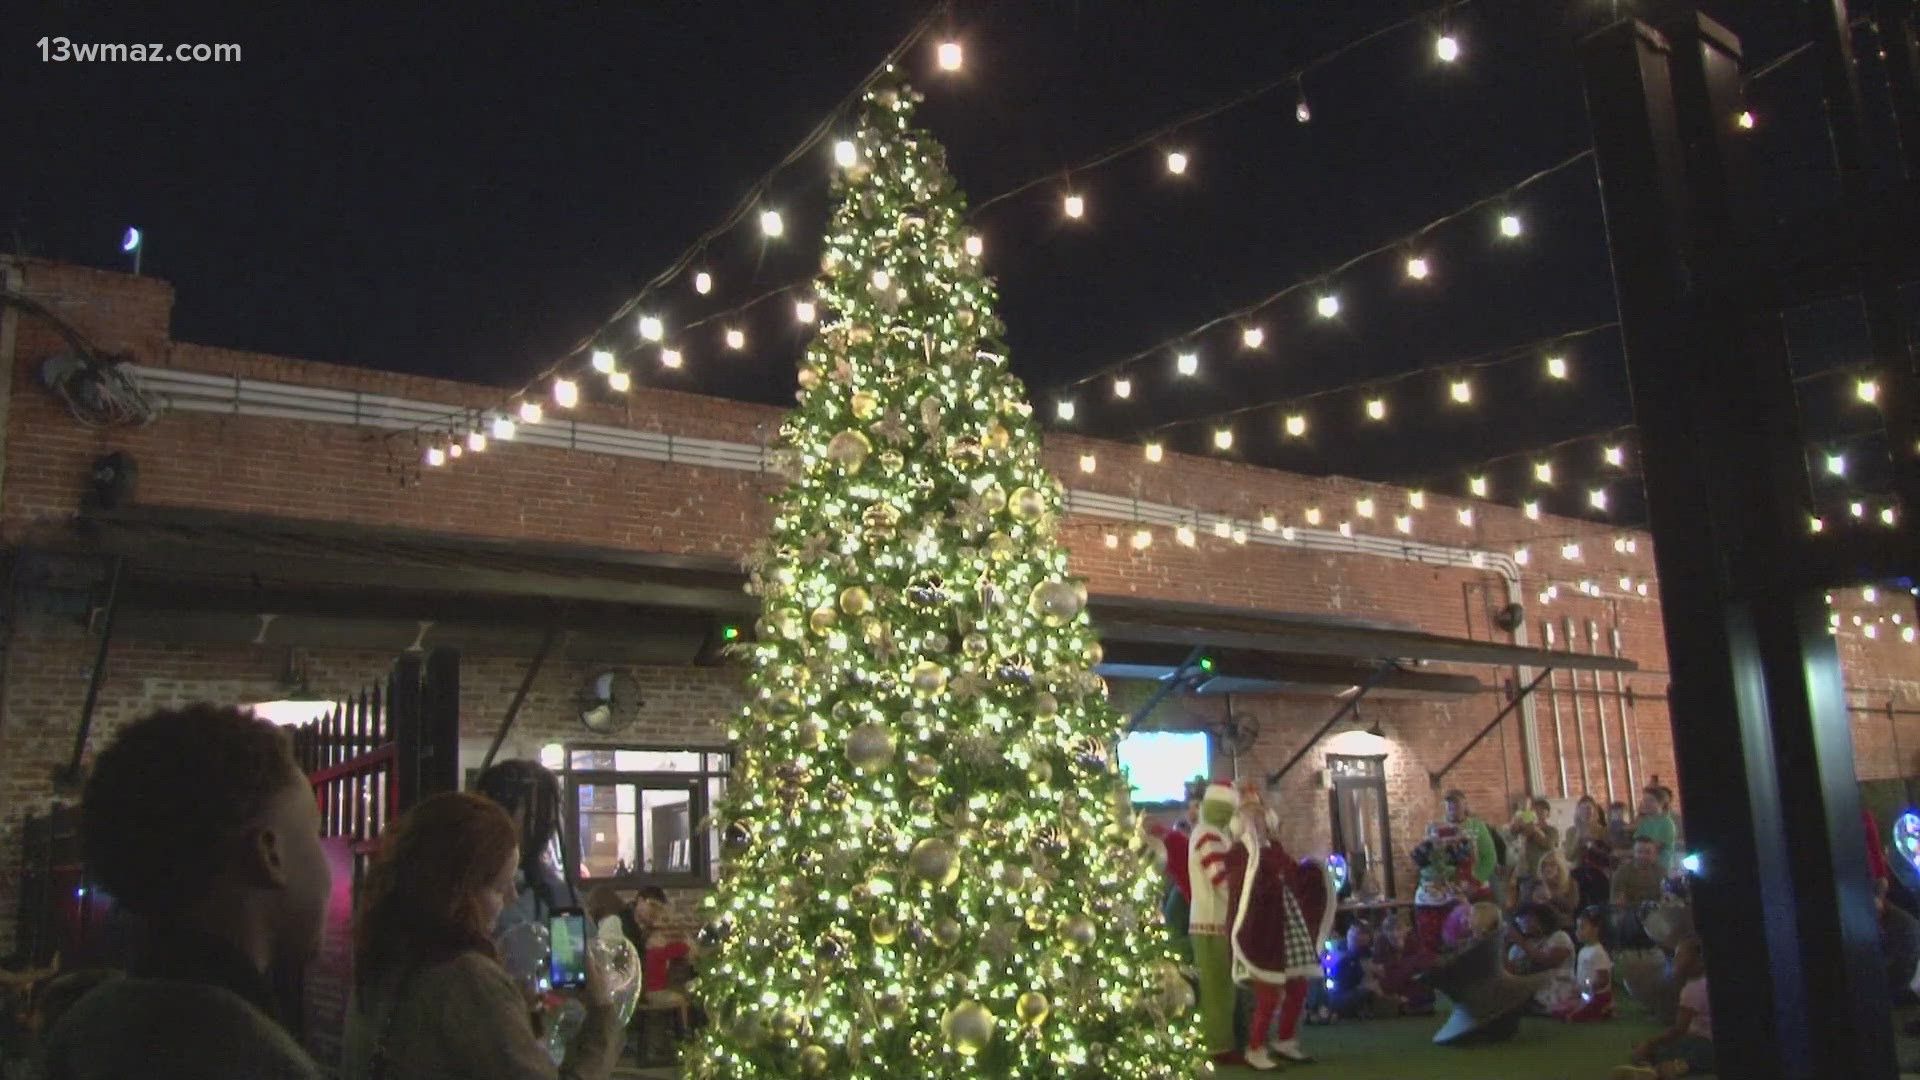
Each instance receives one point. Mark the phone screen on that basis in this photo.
(567, 963)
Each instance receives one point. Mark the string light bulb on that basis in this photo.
(602, 361)
(1532, 510)
(1142, 539)
(531, 412)
(1867, 390)
(950, 56)
(651, 328)
(1462, 391)
(1510, 226)
(1477, 485)
(619, 381)
(1302, 112)
(1269, 520)
(803, 310)
(1112, 540)
(1223, 528)
(975, 245)
(1154, 453)
(845, 153)
(436, 457)
(566, 393)
(1597, 498)
(1465, 515)
(1377, 408)
(1814, 524)
(1906, 634)
(1447, 48)
(1887, 515)
(1075, 206)
(1328, 306)
(1296, 425)
(1239, 536)
(1614, 456)
(476, 441)
(1857, 509)
(1184, 534)
(1363, 507)
(1064, 409)
(703, 283)
(1522, 557)
(454, 450)
(1187, 363)
(503, 428)
(1556, 367)
(1744, 120)
(1346, 529)
(1403, 523)
(1287, 533)
(1312, 515)
(670, 358)
(1176, 162)
(1087, 463)
(1837, 464)
(1543, 471)
(1417, 500)
(1417, 267)
(1252, 337)
(772, 223)
(736, 339)
(1223, 438)
(1122, 388)
(1570, 552)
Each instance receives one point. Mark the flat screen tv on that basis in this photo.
(1159, 763)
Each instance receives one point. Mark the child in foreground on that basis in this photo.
(1593, 973)
(1686, 1048)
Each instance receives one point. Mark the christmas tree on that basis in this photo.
(932, 866)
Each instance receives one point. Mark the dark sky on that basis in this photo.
(465, 191)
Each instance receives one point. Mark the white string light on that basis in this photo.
(619, 381)
(1477, 485)
(1184, 534)
(1510, 226)
(1346, 529)
(1614, 456)
(1417, 500)
(651, 328)
(803, 310)
(703, 283)
(1113, 540)
(1239, 536)
(1870, 594)
(1312, 514)
(1556, 367)
(1222, 529)
(1522, 557)
(1187, 363)
(1269, 520)
(1087, 463)
(1462, 391)
(1252, 337)
(566, 393)
(1064, 409)
(1465, 515)
(1447, 48)
(1328, 306)
(670, 358)
(950, 56)
(1154, 452)
(1377, 408)
(1543, 471)
(1075, 206)
(1867, 390)
(772, 223)
(1223, 438)
(1403, 523)
(531, 412)
(975, 245)
(1363, 507)
(503, 428)
(1417, 267)
(436, 456)
(1570, 552)
(1857, 509)
(476, 441)
(1176, 162)
(1122, 388)
(454, 450)
(1744, 120)
(602, 361)
(1837, 465)
(1296, 425)
(1142, 539)
(736, 339)
(1287, 533)
(845, 153)
(1532, 510)
(1886, 515)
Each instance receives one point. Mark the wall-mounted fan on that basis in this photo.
(608, 702)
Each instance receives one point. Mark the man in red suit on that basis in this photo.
(1282, 909)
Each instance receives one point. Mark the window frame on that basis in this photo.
(703, 855)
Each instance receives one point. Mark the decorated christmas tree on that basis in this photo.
(931, 864)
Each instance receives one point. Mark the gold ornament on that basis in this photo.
(1013, 878)
(892, 461)
(870, 747)
(822, 620)
(1032, 1008)
(812, 733)
(994, 499)
(880, 519)
(1094, 654)
(946, 932)
(1000, 547)
(1045, 705)
(997, 437)
(813, 1060)
(968, 1026)
(928, 678)
(1079, 931)
(974, 645)
(1026, 504)
(786, 1023)
(1054, 603)
(891, 1006)
(864, 405)
(849, 449)
(923, 770)
(934, 860)
(809, 378)
(855, 601)
(883, 929)
(920, 806)
(1038, 918)
(964, 317)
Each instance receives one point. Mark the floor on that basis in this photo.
(1403, 1050)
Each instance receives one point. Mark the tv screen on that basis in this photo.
(1159, 763)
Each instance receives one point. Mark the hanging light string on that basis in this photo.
(1294, 78)
(1320, 279)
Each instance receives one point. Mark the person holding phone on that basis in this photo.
(430, 997)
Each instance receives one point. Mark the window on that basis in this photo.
(639, 815)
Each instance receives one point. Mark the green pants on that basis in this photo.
(1213, 960)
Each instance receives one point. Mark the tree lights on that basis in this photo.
(932, 869)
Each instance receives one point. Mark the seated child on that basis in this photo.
(1593, 973)
(1686, 1048)
(1352, 989)
(1402, 961)
(1538, 944)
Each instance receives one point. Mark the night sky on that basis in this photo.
(468, 192)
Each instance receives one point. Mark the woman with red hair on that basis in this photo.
(430, 996)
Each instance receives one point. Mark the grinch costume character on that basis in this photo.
(1282, 910)
(1207, 919)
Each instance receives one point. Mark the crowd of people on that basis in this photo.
(200, 822)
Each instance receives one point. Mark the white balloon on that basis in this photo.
(523, 952)
(621, 963)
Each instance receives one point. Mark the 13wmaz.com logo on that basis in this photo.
(65, 50)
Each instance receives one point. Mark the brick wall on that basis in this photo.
(342, 473)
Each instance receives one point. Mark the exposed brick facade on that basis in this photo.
(341, 473)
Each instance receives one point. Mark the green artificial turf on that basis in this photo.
(1403, 1050)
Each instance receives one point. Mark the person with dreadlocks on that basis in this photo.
(530, 794)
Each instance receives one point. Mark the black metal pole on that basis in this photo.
(1346, 707)
(69, 776)
(1172, 683)
(520, 695)
(1440, 774)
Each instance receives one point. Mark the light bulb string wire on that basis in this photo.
(1293, 77)
(1401, 241)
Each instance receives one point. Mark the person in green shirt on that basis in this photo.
(1486, 858)
(1656, 824)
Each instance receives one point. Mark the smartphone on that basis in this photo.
(567, 935)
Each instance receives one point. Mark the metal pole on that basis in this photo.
(1553, 699)
(70, 775)
(520, 695)
(1579, 710)
(1346, 707)
(1600, 711)
(1436, 776)
(1626, 717)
